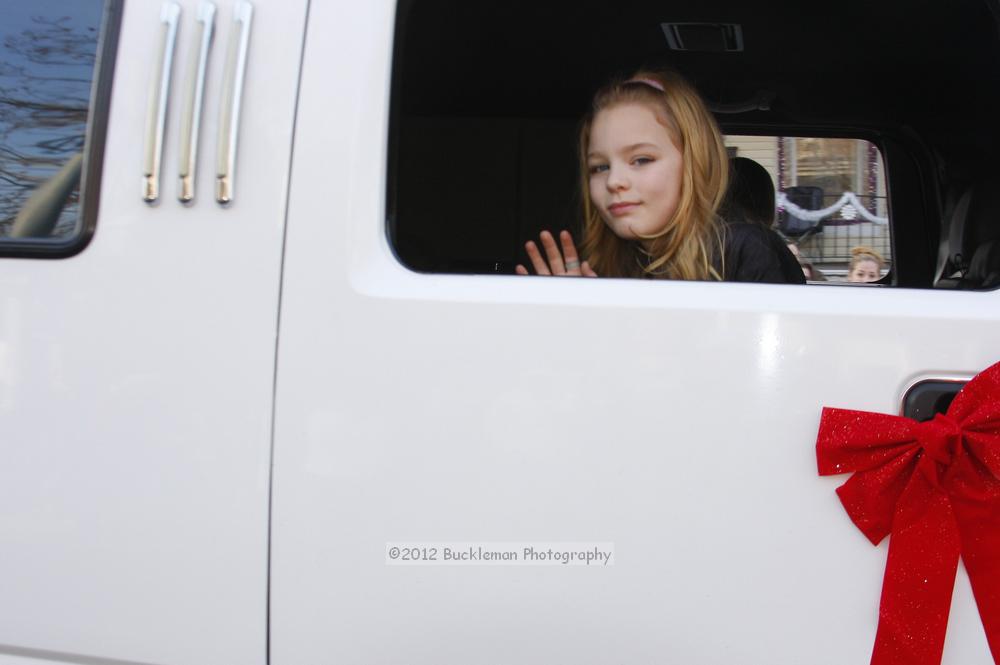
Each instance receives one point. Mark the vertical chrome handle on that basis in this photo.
(191, 120)
(156, 109)
(232, 94)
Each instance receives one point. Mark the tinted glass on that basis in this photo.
(48, 50)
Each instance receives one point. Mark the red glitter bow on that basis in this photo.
(935, 486)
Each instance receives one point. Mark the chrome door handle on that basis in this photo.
(156, 109)
(232, 94)
(191, 120)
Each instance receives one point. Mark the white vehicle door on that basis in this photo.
(136, 375)
(674, 422)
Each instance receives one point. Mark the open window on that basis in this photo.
(487, 97)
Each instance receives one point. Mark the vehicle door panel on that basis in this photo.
(136, 382)
(675, 420)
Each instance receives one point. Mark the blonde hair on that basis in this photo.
(861, 254)
(687, 245)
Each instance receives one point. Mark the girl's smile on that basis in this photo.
(619, 209)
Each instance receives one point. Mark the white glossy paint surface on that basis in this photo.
(136, 385)
(677, 420)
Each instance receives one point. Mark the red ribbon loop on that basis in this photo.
(950, 509)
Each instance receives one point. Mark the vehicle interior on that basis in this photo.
(487, 97)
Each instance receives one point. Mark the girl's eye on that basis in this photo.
(639, 161)
(598, 168)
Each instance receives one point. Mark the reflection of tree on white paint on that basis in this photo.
(46, 67)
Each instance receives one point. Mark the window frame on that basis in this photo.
(95, 137)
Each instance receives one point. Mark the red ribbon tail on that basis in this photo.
(919, 581)
(978, 516)
(985, 581)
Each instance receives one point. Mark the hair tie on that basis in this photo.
(652, 83)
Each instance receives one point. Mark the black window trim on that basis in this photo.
(94, 142)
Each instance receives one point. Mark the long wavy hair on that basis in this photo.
(692, 238)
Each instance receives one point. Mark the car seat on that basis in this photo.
(984, 269)
(970, 258)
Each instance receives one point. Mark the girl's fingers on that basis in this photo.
(537, 262)
(555, 264)
(552, 251)
(569, 251)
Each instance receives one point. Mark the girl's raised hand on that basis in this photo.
(565, 263)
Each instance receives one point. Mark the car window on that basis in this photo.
(830, 199)
(48, 106)
(487, 99)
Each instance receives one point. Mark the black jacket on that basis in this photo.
(755, 254)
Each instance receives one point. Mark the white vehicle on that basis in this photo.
(275, 333)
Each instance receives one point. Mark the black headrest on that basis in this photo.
(751, 193)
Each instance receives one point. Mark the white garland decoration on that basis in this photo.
(816, 215)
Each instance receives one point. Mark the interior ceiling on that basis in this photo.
(860, 64)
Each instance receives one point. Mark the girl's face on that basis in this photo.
(635, 170)
(864, 271)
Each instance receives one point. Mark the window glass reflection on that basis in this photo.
(47, 54)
